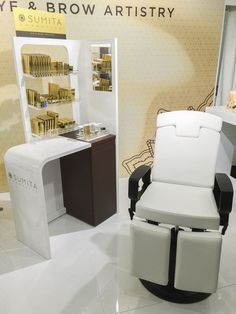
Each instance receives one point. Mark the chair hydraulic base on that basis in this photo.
(169, 293)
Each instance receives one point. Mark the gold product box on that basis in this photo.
(66, 69)
(60, 68)
(26, 63)
(55, 94)
(87, 130)
(35, 99)
(71, 93)
(106, 65)
(47, 122)
(54, 67)
(65, 122)
(32, 97)
(42, 124)
(67, 94)
(53, 89)
(104, 82)
(40, 65)
(35, 125)
(55, 116)
(41, 127)
(231, 100)
(36, 64)
(106, 57)
(62, 93)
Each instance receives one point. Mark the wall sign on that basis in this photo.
(108, 9)
(35, 23)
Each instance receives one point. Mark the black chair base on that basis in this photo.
(169, 293)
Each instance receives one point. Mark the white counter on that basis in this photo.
(34, 178)
(227, 115)
(226, 155)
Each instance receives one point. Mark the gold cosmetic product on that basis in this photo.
(40, 65)
(231, 100)
(86, 128)
(55, 116)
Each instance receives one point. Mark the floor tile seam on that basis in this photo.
(137, 308)
(100, 291)
(16, 248)
(99, 294)
(227, 286)
(101, 302)
(23, 247)
(80, 237)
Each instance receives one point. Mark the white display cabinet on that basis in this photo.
(88, 105)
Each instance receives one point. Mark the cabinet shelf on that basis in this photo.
(36, 108)
(26, 75)
(49, 105)
(53, 104)
(91, 137)
(56, 132)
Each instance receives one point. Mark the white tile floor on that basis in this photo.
(89, 271)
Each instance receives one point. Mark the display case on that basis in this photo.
(57, 91)
(43, 75)
(102, 67)
(65, 81)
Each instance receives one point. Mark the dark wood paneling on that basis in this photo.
(104, 179)
(77, 185)
(89, 181)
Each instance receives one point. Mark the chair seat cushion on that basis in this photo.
(180, 205)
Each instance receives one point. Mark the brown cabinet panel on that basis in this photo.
(104, 179)
(89, 181)
(77, 185)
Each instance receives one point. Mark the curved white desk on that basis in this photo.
(226, 156)
(34, 177)
(227, 152)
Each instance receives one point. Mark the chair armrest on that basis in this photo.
(143, 172)
(223, 193)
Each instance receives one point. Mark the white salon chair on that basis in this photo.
(178, 209)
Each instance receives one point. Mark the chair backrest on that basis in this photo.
(186, 148)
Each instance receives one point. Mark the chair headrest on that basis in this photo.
(188, 123)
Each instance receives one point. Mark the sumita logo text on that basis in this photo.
(43, 20)
(28, 184)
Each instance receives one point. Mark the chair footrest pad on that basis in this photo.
(150, 251)
(198, 261)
